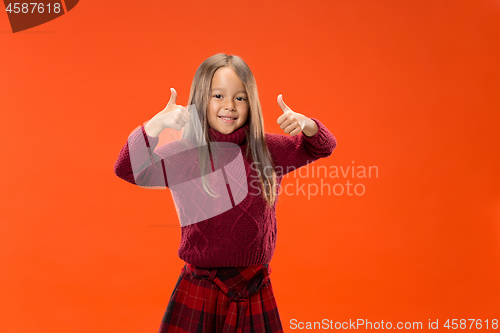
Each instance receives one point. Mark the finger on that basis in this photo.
(183, 115)
(180, 122)
(282, 104)
(289, 121)
(185, 111)
(282, 118)
(173, 97)
(291, 127)
(295, 131)
(286, 115)
(177, 127)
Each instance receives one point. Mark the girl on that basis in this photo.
(228, 244)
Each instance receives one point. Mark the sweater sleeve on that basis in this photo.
(292, 152)
(138, 163)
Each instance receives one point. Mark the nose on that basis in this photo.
(229, 107)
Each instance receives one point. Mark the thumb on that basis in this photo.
(282, 104)
(173, 97)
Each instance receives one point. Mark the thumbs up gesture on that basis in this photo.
(293, 122)
(172, 116)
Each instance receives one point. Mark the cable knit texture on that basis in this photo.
(246, 233)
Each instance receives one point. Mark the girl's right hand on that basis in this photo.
(172, 116)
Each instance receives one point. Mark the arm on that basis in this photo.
(292, 152)
(141, 164)
(138, 163)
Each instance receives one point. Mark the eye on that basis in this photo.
(242, 99)
(217, 95)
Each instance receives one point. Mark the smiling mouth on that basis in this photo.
(227, 118)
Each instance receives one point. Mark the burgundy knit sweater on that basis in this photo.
(245, 234)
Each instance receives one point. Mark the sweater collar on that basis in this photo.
(238, 137)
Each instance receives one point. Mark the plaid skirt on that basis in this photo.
(222, 300)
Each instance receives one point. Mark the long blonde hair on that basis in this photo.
(200, 95)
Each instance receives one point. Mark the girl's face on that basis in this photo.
(228, 107)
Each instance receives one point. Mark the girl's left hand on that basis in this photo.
(293, 122)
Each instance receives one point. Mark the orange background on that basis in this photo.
(410, 87)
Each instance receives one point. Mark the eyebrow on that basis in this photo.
(243, 91)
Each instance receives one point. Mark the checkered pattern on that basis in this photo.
(222, 300)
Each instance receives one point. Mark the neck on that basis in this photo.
(238, 136)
